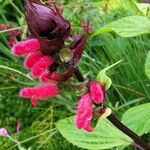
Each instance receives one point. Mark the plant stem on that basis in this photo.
(137, 139)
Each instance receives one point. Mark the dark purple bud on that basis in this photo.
(46, 25)
(77, 47)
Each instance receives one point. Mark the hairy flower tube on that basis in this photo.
(97, 92)
(41, 65)
(44, 91)
(84, 113)
(32, 58)
(25, 47)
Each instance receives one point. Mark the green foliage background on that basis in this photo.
(130, 84)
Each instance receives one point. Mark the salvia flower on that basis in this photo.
(44, 91)
(32, 58)
(40, 66)
(84, 110)
(97, 92)
(25, 47)
(3, 132)
(84, 113)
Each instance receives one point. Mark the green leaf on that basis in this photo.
(144, 8)
(138, 118)
(113, 5)
(127, 26)
(104, 136)
(147, 65)
(102, 78)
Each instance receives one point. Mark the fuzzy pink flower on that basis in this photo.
(32, 58)
(44, 91)
(97, 92)
(40, 66)
(3, 132)
(47, 76)
(25, 47)
(84, 113)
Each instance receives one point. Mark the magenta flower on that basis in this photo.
(40, 66)
(25, 47)
(38, 63)
(44, 91)
(32, 58)
(97, 92)
(3, 132)
(84, 113)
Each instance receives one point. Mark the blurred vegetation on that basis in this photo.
(130, 85)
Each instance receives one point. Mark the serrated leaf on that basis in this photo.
(138, 118)
(147, 65)
(127, 26)
(102, 78)
(104, 136)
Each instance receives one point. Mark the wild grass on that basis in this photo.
(130, 85)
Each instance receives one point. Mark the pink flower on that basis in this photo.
(47, 76)
(40, 66)
(32, 58)
(97, 92)
(84, 113)
(25, 47)
(44, 91)
(3, 132)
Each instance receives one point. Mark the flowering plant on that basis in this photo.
(50, 60)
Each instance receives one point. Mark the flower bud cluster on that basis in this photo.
(84, 112)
